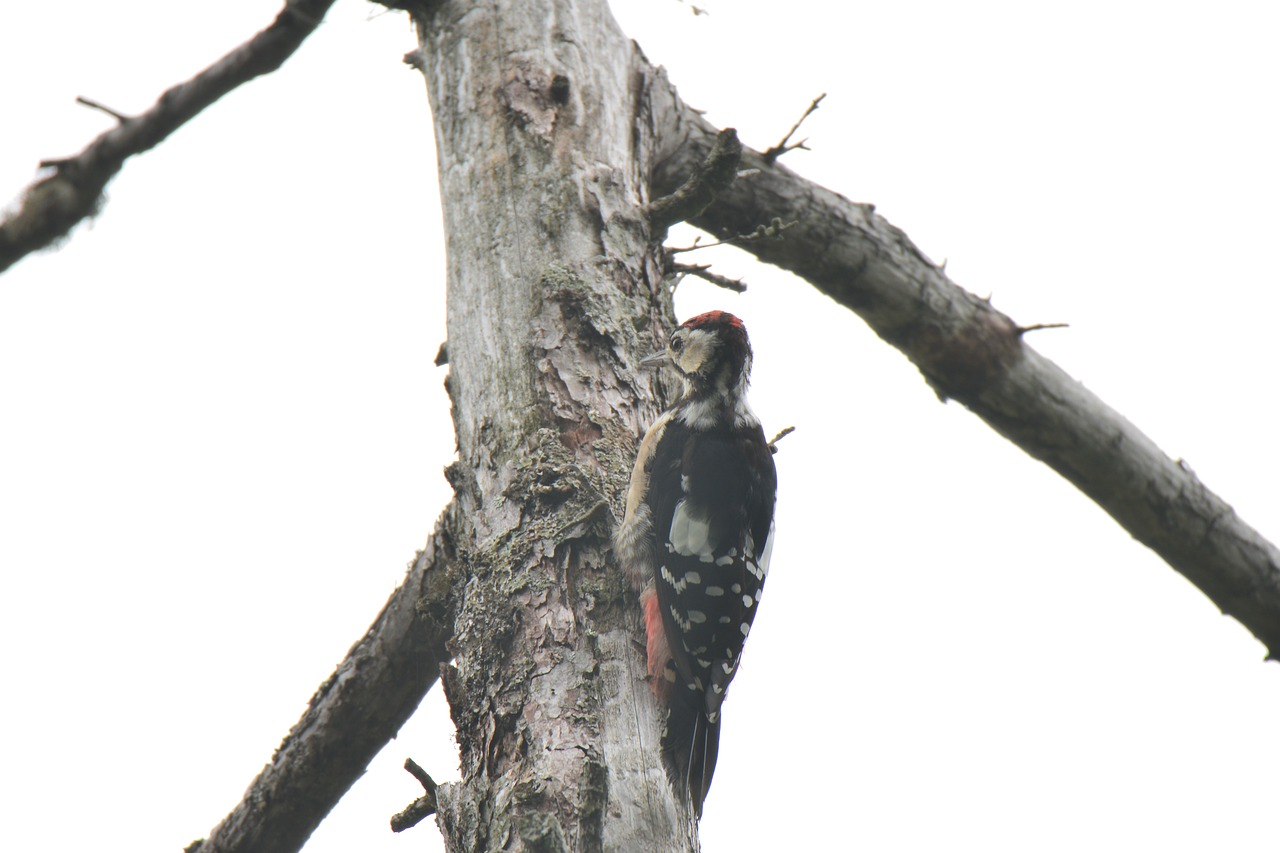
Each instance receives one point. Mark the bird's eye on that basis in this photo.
(677, 343)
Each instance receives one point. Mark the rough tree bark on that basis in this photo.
(554, 289)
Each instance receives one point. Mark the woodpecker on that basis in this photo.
(696, 538)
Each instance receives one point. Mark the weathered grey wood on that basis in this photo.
(543, 146)
(353, 714)
(969, 351)
(549, 124)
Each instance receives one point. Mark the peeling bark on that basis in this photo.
(543, 143)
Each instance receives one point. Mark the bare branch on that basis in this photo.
(421, 808)
(703, 271)
(782, 147)
(970, 352)
(1035, 327)
(706, 180)
(773, 442)
(354, 713)
(772, 231)
(52, 206)
(414, 814)
(94, 105)
(423, 777)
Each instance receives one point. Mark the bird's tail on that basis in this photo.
(689, 750)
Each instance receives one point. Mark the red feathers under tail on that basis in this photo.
(691, 742)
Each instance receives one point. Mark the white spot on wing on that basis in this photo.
(767, 553)
(677, 585)
(697, 617)
(690, 536)
(715, 591)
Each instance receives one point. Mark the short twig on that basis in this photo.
(416, 59)
(1035, 327)
(421, 808)
(414, 814)
(773, 230)
(697, 10)
(424, 778)
(94, 105)
(713, 176)
(773, 445)
(782, 147)
(703, 271)
(697, 244)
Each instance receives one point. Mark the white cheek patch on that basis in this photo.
(698, 348)
(691, 536)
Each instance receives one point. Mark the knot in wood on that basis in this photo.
(963, 360)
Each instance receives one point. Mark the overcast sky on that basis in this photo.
(221, 433)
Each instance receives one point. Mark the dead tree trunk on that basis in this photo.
(549, 126)
(544, 155)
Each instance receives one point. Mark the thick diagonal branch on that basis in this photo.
(51, 207)
(354, 713)
(971, 352)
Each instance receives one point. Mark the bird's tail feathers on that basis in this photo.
(689, 750)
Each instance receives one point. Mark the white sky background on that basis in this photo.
(221, 433)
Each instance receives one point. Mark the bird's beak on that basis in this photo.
(658, 359)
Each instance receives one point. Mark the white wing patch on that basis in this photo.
(759, 567)
(691, 536)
